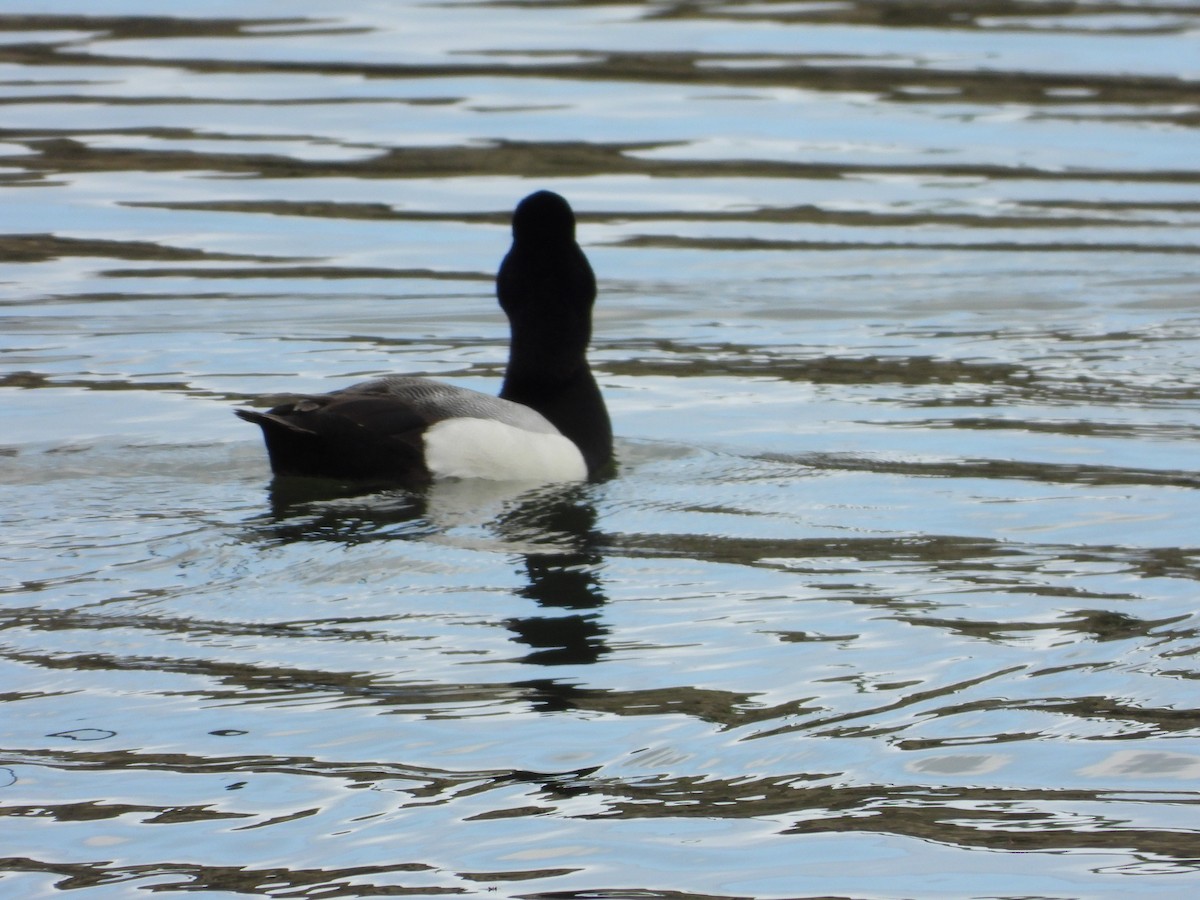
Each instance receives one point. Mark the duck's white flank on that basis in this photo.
(486, 448)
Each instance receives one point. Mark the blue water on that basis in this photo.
(893, 594)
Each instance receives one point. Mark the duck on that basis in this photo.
(548, 424)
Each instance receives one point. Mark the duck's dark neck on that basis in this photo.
(572, 403)
(546, 288)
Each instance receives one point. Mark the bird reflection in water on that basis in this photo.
(552, 530)
(565, 577)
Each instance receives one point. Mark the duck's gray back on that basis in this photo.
(436, 401)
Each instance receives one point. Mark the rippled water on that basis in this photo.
(894, 593)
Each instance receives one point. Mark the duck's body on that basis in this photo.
(413, 430)
(548, 424)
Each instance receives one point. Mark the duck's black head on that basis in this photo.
(544, 216)
(546, 288)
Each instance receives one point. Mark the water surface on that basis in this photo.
(893, 594)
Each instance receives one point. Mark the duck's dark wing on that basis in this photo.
(373, 430)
